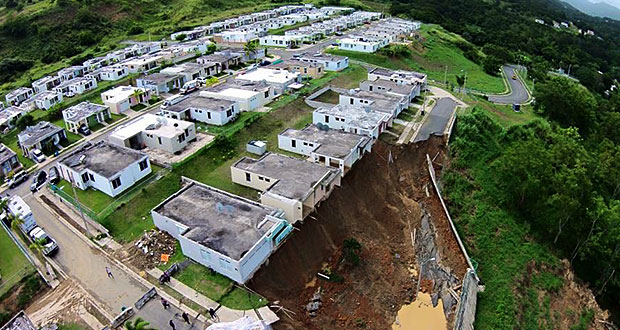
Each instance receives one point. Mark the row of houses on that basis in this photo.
(379, 35)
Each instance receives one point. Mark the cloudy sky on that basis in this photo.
(611, 2)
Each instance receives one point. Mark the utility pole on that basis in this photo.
(79, 206)
(445, 77)
(420, 276)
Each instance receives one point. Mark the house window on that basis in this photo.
(229, 113)
(267, 94)
(116, 183)
(260, 178)
(159, 139)
(370, 88)
(208, 115)
(327, 119)
(205, 255)
(351, 101)
(143, 165)
(248, 177)
(267, 180)
(91, 177)
(181, 138)
(187, 132)
(85, 177)
(294, 143)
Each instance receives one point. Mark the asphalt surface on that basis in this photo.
(518, 93)
(437, 120)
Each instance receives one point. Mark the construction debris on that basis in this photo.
(154, 248)
(315, 303)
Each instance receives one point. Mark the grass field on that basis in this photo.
(503, 114)
(13, 265)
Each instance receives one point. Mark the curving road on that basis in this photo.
(518, 92)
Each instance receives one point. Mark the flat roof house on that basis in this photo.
(160, 82)
(223, 59)
(78, 85)
(291, 184)
(44, 136)
(326, 146)
(112, 73)
(409, 91)
(9, 115)
(306, 69)
(106, 167)
(85, 113)
(331, 62)
(154, 132)
(142, 63)
(232, 235)
(16, 97)
(287, 41)
(71, 72)
(8, 160)
(361, 44)
(191, 71)
(352, 119)
(400, 76)
(380, 102)
(47, 99)
(249, 95)
(46, 83)
(204, 109)
(281, 80)
(121, 98)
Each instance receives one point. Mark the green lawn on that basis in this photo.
(114, 118)
(503, 114)
(13, 265)
(93, 199)
(328, 97)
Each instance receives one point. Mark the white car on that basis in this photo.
(48, 243)
(37, 155)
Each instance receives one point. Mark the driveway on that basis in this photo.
(437, 120)
(518, 92)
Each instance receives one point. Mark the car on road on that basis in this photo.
(514, 77)
(202, 80)
(54, 176)
(17, 179)
(38, 181)
(189, 87)
(172, 100)
(296, 56)
(37, 155)
(84, 130)
(47, 242)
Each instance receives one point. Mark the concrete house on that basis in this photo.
(326, 146)
(85, 113)
(191, 71)
(281, 80)
(78, 85)
(409, 91)
(103, 166)
(46, 83)
(236, 36)
(160, 82)
(399, 77)
(291, 184)
(232, 235)
(42, 136)
(9, 115)
(154, 132)
(204, 109)
(248, 95)
(331, 62)
(352, 119)
(112, 73)
(47, 99)
(95, 63)
(71, 72)
(360, 44)
(143, 63)
(287, 41)
(223, 60)
(377, 101)
(16, 97)
(122, 98)
(8, 160)
(306, 69)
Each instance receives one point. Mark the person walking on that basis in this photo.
(109, 272)
(172, 325)
(186, 318)
(165, 303)
(212, 313)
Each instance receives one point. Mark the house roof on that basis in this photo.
(218, 220)
(160, 78)
(31, 135)
(401, 89)
(19, 91)
(8, 113)
(82, 111)
(5, 153)
(200, 102)
(152, 124)
(364, 118)
(269, 75)
(103, 158)
(332, 143)
(19, 322)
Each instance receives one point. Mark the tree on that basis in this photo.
(460, 80)
(350, 251)
(211, 48)
(491, 65)
(250, 47)
(24, 121)
(16, 221)
(38, 245)
(138, 324)
(181, 37)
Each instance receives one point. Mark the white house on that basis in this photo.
(78, 85)
(160, 82)
(103, 166)
(9, 115)
(85, 113)
(46, 83)
(232, 235)
(331, 62)
(71, 72)
(121, 98)
(239, 36)
(352, 119)
(191, 70)
(113, 72)
(288, 41)
(409, 91)
(377, 101)
(47, 99)
(16, 97)
(291, 184)
(281, 80)
(365, 45)
(142, 63)
(43, 135)
(154, 132)
(326, 146)
(204, 109)
(399, 77)
(248, 95)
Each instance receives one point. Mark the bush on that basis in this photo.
(181, 37)
(31, 287)
(24, 121)
(135, 29)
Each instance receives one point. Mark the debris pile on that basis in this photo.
(315, 303)
(146, 252)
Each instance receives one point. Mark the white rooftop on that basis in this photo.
(156, 125)
(269, 75)
(121, 93)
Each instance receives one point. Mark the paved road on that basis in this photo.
(87, 265)
(437, 120)
(518, 94)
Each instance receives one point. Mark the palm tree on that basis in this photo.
(38, 245)
(249, 47)
(460, 80)
(16, 221)
(138, 324)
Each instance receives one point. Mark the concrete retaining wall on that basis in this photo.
(316, 104)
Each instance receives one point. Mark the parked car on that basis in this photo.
(54, 176)
(48, 243)
(37, 155)
(84, 130)
(172, 100)
(202, 80)
(17, 179)
(189, 87)
(38, 181)
(296, 56)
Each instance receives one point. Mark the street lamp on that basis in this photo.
(79, 206)
(464, 82)
(420, 275)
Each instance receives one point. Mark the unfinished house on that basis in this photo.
(154, 132)
(232, 235)
(44, 136)
(326, 146)
(291, 184)
(352, 119)
(400, 76)
(409, 91)
(103, 166)
(203, 109)
(85, 114)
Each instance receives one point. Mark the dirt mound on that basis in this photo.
(380, 203)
